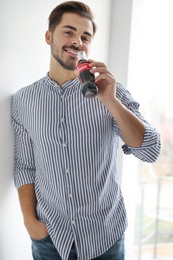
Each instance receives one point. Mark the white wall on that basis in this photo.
(120, 33)
(24, 58)
(119, 52)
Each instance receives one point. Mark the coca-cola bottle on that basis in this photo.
(89, 87)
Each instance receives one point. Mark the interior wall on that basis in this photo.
(122, 12)
(24, 59)
(120, 34)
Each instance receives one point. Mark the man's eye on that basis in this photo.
(85, 39)
(68, 33)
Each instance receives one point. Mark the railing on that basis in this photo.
(155, 217)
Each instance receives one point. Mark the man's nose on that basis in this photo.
(77, 41)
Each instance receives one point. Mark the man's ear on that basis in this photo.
(48, 36)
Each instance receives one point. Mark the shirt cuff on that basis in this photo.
(24, 177)
(150, 148)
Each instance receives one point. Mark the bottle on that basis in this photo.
(89, 88)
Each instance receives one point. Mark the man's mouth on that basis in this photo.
(72, 51)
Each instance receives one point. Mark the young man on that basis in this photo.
(66, 148)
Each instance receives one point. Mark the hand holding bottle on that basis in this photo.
(105, 82)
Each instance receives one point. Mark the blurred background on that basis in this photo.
(135, 39)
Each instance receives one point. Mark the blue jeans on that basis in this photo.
(45, 250)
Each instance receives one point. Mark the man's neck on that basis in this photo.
(61, 75)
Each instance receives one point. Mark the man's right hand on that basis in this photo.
(36, 229)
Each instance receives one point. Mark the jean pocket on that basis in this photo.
(40, 240)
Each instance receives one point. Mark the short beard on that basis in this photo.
(66, 65)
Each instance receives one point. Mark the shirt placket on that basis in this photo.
(66, 167)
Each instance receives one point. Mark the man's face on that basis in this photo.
(74, 33)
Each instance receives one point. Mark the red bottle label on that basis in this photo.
(83, 66)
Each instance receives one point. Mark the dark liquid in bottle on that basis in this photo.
(89, 88)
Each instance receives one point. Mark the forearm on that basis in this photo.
(27, 201)
(27, 198)
(131, 127)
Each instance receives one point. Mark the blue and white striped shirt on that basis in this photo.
(67, 145)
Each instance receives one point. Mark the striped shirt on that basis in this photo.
(67, 146)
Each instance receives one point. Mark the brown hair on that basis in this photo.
(70, 7)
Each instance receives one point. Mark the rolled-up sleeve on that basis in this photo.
(24, 164)
(149, 150)
(151, 146)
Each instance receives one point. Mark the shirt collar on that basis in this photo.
(70, 86)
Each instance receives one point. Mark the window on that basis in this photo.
(150, 205)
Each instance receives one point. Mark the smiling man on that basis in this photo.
(66, 148)
(72, 34)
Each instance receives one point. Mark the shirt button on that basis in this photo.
(64, 145)
(70, 195)
(67, 170)
(73, 222)
(62, 96)
(62, 119)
